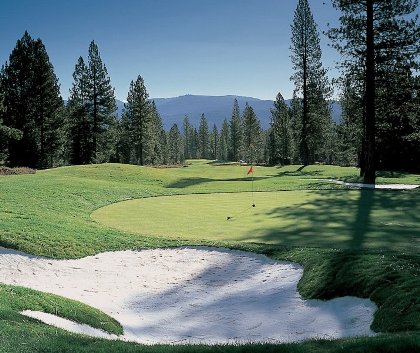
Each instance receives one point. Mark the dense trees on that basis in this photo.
(32, 106)
(379, 94)
(379, 44)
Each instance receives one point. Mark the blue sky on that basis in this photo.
(207, 47)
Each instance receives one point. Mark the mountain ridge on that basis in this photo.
(215, 108)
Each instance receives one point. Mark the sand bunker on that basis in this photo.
(372, 186)
(190, 295)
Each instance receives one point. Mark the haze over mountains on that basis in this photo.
(215, 108)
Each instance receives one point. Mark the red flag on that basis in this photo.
(250, 170)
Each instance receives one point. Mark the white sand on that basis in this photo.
(190, 295)
(371, 186)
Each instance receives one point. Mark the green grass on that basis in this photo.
(350, 219)
(373, 254)
(16, 299)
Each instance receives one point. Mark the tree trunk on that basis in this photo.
(369, 153)
(95, 119)
(305, 147)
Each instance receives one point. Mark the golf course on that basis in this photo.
(349, 241)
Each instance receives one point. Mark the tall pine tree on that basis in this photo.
(32, 105)
(235, 133)
(204, 138)
(91, 111)
(101, 107)
(138, 120)
(252, 136)
(280, 135)
(175, 146)
(158, 143)
(214, 142)
(310, 80)
(188, 139)
(223, 153)
(80, 125)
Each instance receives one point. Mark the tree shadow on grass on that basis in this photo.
(376, 224)
(300, 172)
(348, 219)
(362, 220)
(189, 182)
(391, 174)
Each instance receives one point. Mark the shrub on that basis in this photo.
(16, 171)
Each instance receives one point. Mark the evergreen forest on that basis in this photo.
(378, 89)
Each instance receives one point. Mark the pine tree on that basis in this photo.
(214, 142)
(188, 139)
(6, 132)
(349, 129)
(138, 120)
(223, 151)
(295, 113)
(320, 126)
(379, 42)
(158, 154)
(252, 136)
(412, 138)
(310, 78)
(101, 106)
(195, 143)
(80, 124)
(32, 105)
(49, 109)
(203, 135)
(175, 146)
(281, 135)
(93, 131)
(124, 145)
(235, 133)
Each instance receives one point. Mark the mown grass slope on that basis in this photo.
(49, 214)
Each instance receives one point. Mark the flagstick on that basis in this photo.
(252, 189)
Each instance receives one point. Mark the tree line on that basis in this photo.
(379, 94)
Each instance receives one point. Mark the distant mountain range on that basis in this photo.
(215, 108)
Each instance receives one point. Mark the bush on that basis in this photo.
(16, 171)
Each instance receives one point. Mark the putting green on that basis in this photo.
(338, 219)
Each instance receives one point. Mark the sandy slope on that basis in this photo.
(190, 295)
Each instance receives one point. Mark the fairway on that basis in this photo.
(332, 219)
